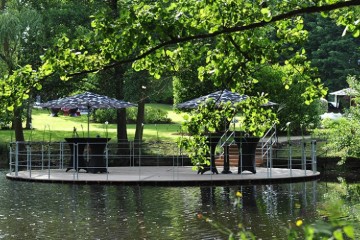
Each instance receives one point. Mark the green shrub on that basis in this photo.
(104, 115)
(152, 115)
(343, 135)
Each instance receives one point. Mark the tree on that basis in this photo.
(187, 85)
(290, 102)
(335, 56)
(68, 17)
(137, 84)
(20, 33)
(209, 119)
(161, 36)
(27, 29)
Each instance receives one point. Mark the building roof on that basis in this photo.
(345, 92)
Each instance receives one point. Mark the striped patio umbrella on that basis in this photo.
(89, 101)
(219, 97)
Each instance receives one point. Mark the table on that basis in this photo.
(95, 147)
(213, 140)
(247, 150)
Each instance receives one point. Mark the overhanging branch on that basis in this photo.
(298, 12)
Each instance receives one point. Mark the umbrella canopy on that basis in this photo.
(89, 101)
(219, 97)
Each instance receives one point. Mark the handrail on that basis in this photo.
(49, 157)
(227, 142)
(271, 128)
(266, 145)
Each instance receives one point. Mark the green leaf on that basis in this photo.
(38, 86)
(338, 234)
(46, 68)
(324, 14)
(157, 76)
(265, 11)
(349, 231)
(356, 33)
(64, 78)
(266, 14)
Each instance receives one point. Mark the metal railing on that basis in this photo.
(293, 155)
(50, 156)
(30, 156)
(227, 139)
(268, 141)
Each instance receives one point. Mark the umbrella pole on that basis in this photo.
(88, 122)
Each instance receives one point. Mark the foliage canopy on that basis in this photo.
(231, 40)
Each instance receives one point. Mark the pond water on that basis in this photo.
(31, 210)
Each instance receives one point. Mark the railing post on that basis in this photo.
(42, 155)
(139, 151)
(28, 158)
(49, 159)
(76, 160)
(290, 158)
(303, 158)
(133, 152)
(241, 156)
(107, 161)
(16, 159)
(60, 155)
(10, 158)
(313, 156)
(269, 163)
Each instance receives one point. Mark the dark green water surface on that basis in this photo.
(30, 210)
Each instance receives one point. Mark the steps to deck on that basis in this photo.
(234, 157)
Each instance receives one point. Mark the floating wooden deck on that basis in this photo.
(166, 176)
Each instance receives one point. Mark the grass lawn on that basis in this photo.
(47, 128)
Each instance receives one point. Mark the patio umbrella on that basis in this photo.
(219, 97)
(89, 101)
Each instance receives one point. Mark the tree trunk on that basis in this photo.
(121, 125)
(17, 124)
(118, 83)
(122, 137)
(140, 118)
(140, 121)
(28, 124)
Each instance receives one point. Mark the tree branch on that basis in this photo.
(298, 12)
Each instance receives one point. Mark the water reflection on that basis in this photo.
(62, 211)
